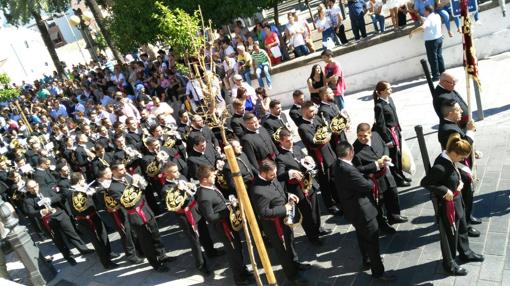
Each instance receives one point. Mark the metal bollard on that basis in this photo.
(423, 147)
(40, 272)
(426, 70)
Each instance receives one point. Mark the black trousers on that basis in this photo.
(202, 238)
(368, 242)
(391, 202)
(452, 239)
(154, 197)
(234, 250)
(127, 234)
(340, 33)
(150, 242)
(326, 184)
(284, 250)
(467, 196)
(396, 159)
(310, 211)
(61, 226)
(96, 231)
(434, 50)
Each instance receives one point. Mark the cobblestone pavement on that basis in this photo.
(413, 253)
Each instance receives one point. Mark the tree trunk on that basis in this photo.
(276, 16)
(96, 11)
(49, 43)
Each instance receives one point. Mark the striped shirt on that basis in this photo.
(260, 57)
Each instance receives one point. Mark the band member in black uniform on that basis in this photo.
(321, 152)
(119, 216)
(183, 124)
(126, 154)
(188, 216)
(295, 111)
(172, 145)
(355, 193)
(236, 121)
(128, 191)
(445, 184)
(153, 159)
(84, 211)
(328, 110)
(134, 134)
(102, 159)
(213, 207)
(388, 126)
(202, 153)
(43, 175)
(257, 143)
(103, 138)
(276, 119)
(247, 170)
(300, 181)
(372, 159)
(272, 204)
(450, 125)
(198, 126)
(46, 205)
(444, 91)
(82, 155)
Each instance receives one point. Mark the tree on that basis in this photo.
(98, 15)
(7, 92)
(132, 24)
(21, 12)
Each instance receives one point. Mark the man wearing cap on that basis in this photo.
(261, 63)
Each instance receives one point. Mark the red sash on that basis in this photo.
(295, 181)
(139, 211)
(226, 229)
(189, 215)
(464, 120)
(277, 221)
(468, 163)
(317, 154)
(450, 209)
(270, 156)
(376, 189)
(117, 219)
(394, 136)
(46, 223)
(88, 219)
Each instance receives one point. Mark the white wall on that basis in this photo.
(399, 59)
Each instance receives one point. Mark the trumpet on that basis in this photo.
(293, 218)
(154, 167)
(310, 172)
(46, 202)
(131, 154)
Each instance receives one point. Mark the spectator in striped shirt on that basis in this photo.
(261, 63)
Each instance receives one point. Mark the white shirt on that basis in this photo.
(297, 34)
(432, 25)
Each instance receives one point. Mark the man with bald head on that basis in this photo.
(445, 91)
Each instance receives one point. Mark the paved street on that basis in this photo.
(413, 253)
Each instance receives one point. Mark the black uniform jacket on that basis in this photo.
(446, 129)
(32, 208)
(269, 198)
(258, 146)
(354, 193)
(212, 204)
(295, 114)
(287, 161)
(365, 157)
(385, 118)
(272, 123)
(197, 159)
(237, 125)
(169, 184)
(307, 131)
(116, 191)
(443, 176)
(441, 95)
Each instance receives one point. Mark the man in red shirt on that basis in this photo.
(334, 77)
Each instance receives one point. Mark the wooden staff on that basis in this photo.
(16, 103)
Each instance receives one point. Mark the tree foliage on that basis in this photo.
(19, 12)
(178, 29)
(7, 92)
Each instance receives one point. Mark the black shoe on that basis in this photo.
(397, 219)
(334, 210)
(162, 268)
(386, 278)
(472, 232)
(215, 253)
(407, 179)
(365, 266)
(135, 260)
(324, 231)
(166, 258)
(403, 184)
(246, 273)
(473, 257)
(87, 251)
(205, 271)
(71, 261)
(304, 266)
(474, 220)
(316, 242)
(387, 229)
(114, 255)
(456, 270)
(247, 280)
(111, 265)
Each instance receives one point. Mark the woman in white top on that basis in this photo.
(295, 33)
(323, 25)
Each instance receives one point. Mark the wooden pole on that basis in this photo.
(250, 215)
(23, 116)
